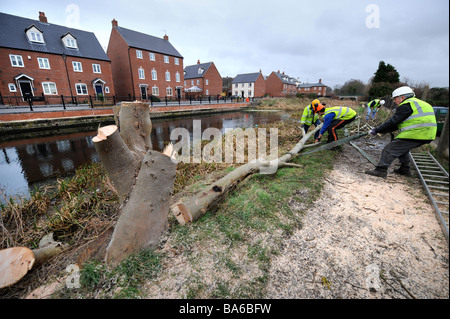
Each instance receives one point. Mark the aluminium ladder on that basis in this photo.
(434, 179)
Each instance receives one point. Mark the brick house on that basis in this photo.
(202, 79)
(144, 65)
(319, 89)
(280, 84)
(249, 85)
(42, 61)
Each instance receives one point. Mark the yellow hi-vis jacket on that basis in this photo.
(309, 117)
(421, 124)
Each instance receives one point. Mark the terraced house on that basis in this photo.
(202, 79)
(144, 65)
(319, 88)
(46, 63)
(280, 84)
(249, 85)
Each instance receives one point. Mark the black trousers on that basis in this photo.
(335, 125)
(398, 148)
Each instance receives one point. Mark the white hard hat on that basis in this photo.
(403, 90)
(382, 102)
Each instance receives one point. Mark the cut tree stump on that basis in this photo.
(143, 177)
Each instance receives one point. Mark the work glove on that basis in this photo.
(373, 132)
(317, 140)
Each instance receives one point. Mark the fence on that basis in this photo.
(19, 101)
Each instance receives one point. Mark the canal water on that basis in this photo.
(27, 163)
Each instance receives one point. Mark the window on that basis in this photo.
(169, 91)
(177, 61)
(154, 75)
(77, 66)
(36, 37)
(200, 70)
(192, 82)
(12, 87)
(106, 89)
(207, 92)
(167, 76)
(152, 56)
(71, 43)
(155, 90)
(16, 60)
(139, 54)
(49, 88)
(166, 59)
(81, 89)
(43, 63)
(206, 81)
(198, 82)
(177, 77)
(96, 68)
(141, 73)
(34, 34)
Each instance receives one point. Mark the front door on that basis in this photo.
(26, 89)
(98, 89)
(144, 92)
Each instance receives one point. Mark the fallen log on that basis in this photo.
(15, 262)
(193, 208)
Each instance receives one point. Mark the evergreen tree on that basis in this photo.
(386, 79)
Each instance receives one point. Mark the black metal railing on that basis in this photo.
(19, 101)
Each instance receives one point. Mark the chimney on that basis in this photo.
(320, 80)
(42, 17)
(198, 61)
(114, 23)
(166, 37)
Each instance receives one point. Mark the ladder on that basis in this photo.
(434, 179)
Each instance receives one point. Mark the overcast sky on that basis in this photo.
(335, 41)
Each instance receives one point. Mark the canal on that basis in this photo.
(28, 163)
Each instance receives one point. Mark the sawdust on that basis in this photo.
(365, 238)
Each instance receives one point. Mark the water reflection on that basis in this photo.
(26, 163)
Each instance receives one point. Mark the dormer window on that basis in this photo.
(70, 41)
(201, 70)
(35, 35)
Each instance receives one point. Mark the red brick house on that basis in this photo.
(202, 79)
(249, 85)
(319, 89)
(42, 61)
(280, 84)
(144, 65)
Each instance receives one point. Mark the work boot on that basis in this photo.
(403, 170)
(379, 172)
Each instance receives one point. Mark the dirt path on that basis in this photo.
(368, 238)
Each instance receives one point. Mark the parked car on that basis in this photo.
(441, 114)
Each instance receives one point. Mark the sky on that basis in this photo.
(336, 41)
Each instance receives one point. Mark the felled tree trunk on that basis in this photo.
(193, 208)
(15, 262)
(143, 177)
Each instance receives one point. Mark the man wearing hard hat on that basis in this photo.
(416, 123)
(372, 108)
